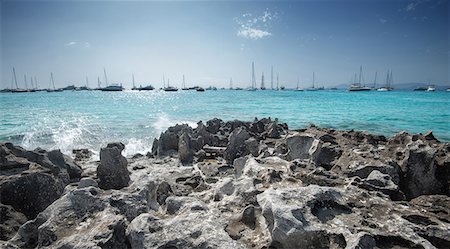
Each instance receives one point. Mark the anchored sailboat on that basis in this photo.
(357, 86)
(388, 86)
(313, 88)
(17, 89)
(112, 87)
(253, 87)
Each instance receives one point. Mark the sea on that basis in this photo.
(90, 119)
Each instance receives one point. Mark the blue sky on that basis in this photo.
(209, 42)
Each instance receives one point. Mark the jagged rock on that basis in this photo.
(185, 149)
(323, 217)
(236, 146)
(168, 141)
(194, 229)
(112, 171)
(71, 221)
(31, 193)
(65, 162)
(419, 172)
(10, 221)
(272, 131)
(302, 146)
(327, 155)
(214, 125)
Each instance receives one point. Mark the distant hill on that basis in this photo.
(401, 86)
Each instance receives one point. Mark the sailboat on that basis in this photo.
(263, 87)
(253, 87)
(184, 85)
(112, 87)
(312, 88)
(52, 83)
(388, 86)
(17, 89)
(298, 89)
(142, 88)
(357, 87)
(170, 88)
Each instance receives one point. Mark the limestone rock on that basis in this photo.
(112, 171)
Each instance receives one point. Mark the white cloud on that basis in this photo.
(255, 27)
(383, 21)
(87, 44)
(412, 6)
(72, 43)
(252, 33)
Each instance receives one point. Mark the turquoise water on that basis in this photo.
(90, 119)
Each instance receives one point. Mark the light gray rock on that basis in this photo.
(112, 171)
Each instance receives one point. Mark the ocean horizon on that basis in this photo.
(90, 119)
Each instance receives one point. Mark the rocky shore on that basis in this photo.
(232, 185)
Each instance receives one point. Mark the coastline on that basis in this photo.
(233, 184)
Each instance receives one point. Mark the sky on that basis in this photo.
(211, 42)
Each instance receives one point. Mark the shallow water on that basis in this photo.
(90, 119)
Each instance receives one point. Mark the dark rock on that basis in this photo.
(236, 146)
(31, 193)
(112, 171)
(302, 146)
(10, 221)
(65, 162)
(185, 150)
(419, 172)
(82, 154)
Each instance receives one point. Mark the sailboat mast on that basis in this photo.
(375, 81)
(98, 81)
(184, 83)
(164, 81)
(271, 77)
(32, 85)
(231, 83)
(262, 81)
(277, 82)
(132, 75)
(314, 78)
(298, 81)
(36, 82)
(390, 79)
(87, 81)
(106, 77)
(53, 82)
(253, 75)
(25, 79)
(387, 79)
(360, 74)
(15, 78)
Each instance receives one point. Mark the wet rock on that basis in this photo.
(112, 171)
(65, 162)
